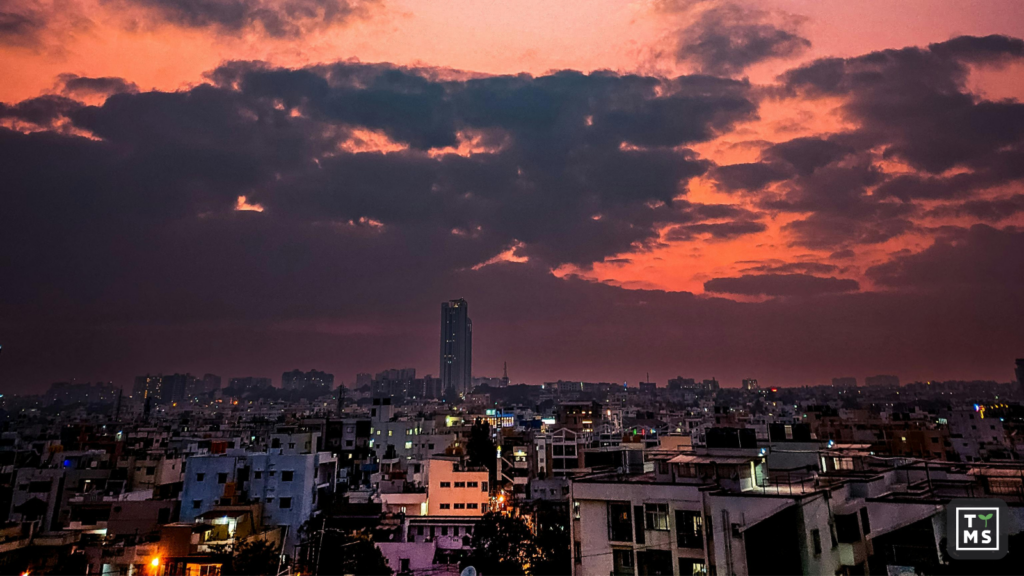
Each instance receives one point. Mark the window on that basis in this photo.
(577, 548)
(816, 539)
(639, 534)
(444, 530)
(483, 486)
(620, 522)
(654, 562)
(472, 506)
(200, 476)
(150, 470)
(446, 484)
(403, 564)
(460, 506)
(847, 529)
(419, 529)
(689, 529)
(472, 484)
(656, 516)
(222, 478)
(258, 474)
(688, 567)
(576, 509)
(622, 562)
(197, 504)
(287, 475)
(460, 484)
(446, 506)
(285, 502)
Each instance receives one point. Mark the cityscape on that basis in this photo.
(193, 475)
(511, 287)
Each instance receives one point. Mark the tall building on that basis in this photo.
(456, 347)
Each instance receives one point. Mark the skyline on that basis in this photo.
(788, 190)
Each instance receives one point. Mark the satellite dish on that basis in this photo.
(468, 571)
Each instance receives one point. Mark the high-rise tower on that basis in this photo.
(456, 347)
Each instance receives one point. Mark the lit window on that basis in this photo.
(656, 516)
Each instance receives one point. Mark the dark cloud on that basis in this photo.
(978, 256)
(988, 210)
(289, 18)
(715, 230)
(752, 176)
(780, 285)
(806, 155)
(140, 212)
(727, 38)
(915, 102)
(83, 86)
(42, 111)
(825, 232)
(20, 26)
(794, 267)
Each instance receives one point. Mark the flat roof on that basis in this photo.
(704, 459)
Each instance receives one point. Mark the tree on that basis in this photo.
(553, 540)
(253, 559)
(333, 551)
(502, 546)
(351, 554)
(481, 450)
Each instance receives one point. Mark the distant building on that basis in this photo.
(648, 387)
(363, 379)
(750, 385)
(456, 347)
(1020, 373)
(249, 383)
(299, 380)
(845, 382)
(883, 380)
(160, 388)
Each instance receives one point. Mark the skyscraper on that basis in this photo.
(456, 347)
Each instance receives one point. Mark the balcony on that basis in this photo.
(852, 554)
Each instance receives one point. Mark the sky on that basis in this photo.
(788, 190)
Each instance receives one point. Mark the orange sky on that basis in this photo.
(105, 38)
